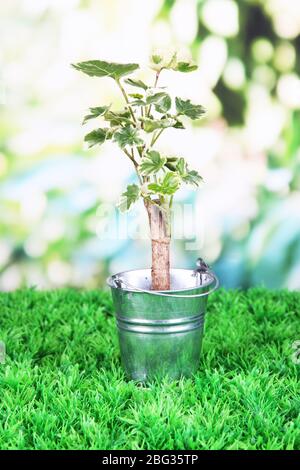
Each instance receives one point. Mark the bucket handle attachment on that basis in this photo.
(120, 283)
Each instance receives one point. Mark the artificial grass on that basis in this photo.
(62, 386)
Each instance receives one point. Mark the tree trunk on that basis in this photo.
(160, 239)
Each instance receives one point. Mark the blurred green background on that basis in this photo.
(58, 225)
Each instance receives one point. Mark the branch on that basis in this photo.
(155, 85)
(155, 137)
(126, 99)
(135, 163)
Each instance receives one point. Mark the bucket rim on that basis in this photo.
(210, 279)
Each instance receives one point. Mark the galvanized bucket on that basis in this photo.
(160, 333)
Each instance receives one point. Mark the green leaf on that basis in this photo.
(98, 136)
(100, 68)
(166, 186)
(185, 67)
(151, 125)
(95, 112)
(181, 167)
(193, 111)
(137, 96)
(136, 83)
(156, 97)
(129, 197)
(187, 176)
(192, 177)
(152, 163)
(171, 163)
(178, 124)
(138, 102)
(161, 101)
(127, 136)
(116, 119)
(156, 59)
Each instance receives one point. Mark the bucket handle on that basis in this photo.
(118, 283)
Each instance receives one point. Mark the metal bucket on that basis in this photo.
(160, 333)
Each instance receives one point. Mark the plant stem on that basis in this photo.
(155, 85)
(156, 78)
(135, 122)
(135, 163)
(160, 240)
(155, 137)
(126, 99)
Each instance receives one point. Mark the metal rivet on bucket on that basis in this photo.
(160, 333)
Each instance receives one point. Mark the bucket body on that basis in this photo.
(160, 334)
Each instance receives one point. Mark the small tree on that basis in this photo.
(147, 113)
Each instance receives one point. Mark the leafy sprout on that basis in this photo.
(148, 112)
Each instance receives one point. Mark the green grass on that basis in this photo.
(62, 386)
